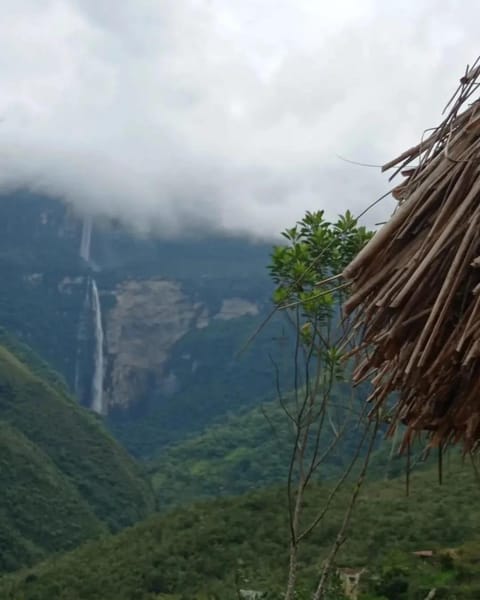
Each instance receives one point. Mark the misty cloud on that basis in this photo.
(221, 114)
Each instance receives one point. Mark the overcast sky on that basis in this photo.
(222, 113)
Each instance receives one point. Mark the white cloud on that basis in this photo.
(221, 113)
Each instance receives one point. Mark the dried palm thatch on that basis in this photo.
(416, 285)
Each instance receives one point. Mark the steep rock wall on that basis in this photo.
(147, 319)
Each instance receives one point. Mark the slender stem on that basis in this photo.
(340, 539)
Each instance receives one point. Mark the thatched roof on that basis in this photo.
(416, 285)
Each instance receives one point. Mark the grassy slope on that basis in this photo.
(200, 552)
(102, 472)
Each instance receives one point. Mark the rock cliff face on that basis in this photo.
(147, 319)
(233, 308)
(162, 302)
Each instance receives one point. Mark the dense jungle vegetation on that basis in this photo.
(213, 549)
(63, 477)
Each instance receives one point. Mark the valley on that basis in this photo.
(146, 431)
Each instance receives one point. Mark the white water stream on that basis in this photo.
(92, 303)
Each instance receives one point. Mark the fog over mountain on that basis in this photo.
(221, 114)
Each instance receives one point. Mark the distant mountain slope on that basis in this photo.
(247, 451)
(40, 510)
(212, 549)
(175, 316)
(218, 374)
(63, 479)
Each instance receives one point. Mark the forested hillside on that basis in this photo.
(41, 511)
(211, 550)
(248, 451)
(63, 478)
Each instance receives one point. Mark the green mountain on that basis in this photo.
(63, 478)
(211, 550)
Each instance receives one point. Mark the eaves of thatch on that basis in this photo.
(416, 285)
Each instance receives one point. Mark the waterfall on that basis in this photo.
(90, 319)
(97, 379)
(86, 238)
